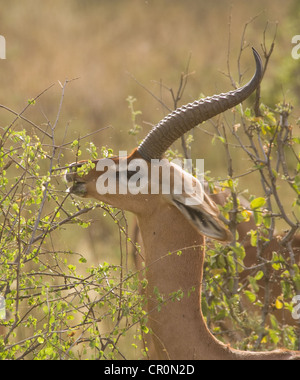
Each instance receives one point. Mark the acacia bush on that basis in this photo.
(258, 274)
(271, 279)
(57, 306)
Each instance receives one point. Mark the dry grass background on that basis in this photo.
(106, 42)
(101, 42)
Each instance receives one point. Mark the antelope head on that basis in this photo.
(111, 180)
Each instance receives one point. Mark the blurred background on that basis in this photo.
(106, 44)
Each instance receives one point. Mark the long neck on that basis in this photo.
(174, 256)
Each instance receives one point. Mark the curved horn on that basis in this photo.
(180, 121)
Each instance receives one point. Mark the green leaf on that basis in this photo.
(253, 240)
(274, 336)
(257, 203)
(267, 221)
(145, 329)
(74, 144)
(286, 289)
(258, 217)
(239, 251)
(49, 351)
(15, 207)
(276, 266)
(296, 280)
(274, 322)
(277, 260)
(259, 275)
(251, 296)
(247, 113)
(40, 340)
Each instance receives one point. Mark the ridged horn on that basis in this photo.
(180, 121)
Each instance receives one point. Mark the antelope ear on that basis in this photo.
(191, 200)
(203, 216)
